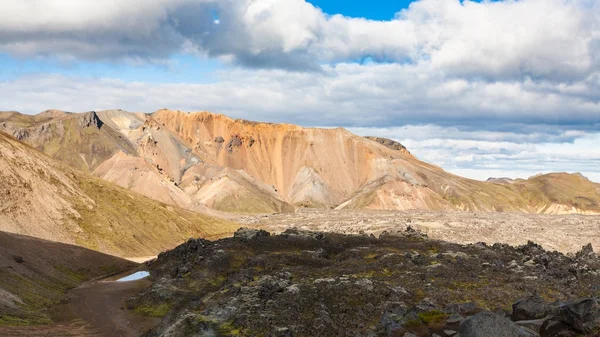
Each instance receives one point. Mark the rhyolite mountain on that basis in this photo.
(204, 161)
(47, 199)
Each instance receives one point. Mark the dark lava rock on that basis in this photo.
(304, 283)
(235, 141)
(532, 307)
(534, 325)
(461, 308)
(21, 134)
(301, 234)
(487, 324)
(250, 233)
(392, 144)
(586, 251)
(581, 316)
(219, 140)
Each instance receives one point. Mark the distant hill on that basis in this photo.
(202, 161)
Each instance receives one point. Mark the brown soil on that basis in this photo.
(94, 309)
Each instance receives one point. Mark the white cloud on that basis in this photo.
(493, 86)
(555, 40)
(481, 155)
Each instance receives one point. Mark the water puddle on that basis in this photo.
(135, 276)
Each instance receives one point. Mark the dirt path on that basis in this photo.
(94, 309)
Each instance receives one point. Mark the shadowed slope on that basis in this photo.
(36, 273)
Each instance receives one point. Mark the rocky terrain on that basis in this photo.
(203, 161)
(45, 198)
(564, 233)
(303, 283)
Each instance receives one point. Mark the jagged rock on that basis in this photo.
(219, 139)
(21, 134)
(235, 141)
(413, 232)
(295, 233)
(586, 251)
(535, 324)
(454, 319)
(90, 119)
(392, 144)
(487, 324)
(581, 316)
(250, 233)
(532, 307)
(460, 308)
(426, 304)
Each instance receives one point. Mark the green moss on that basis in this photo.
(433, 316)
(227, 329)
(413, 323)
(20, 321)
(160, 310)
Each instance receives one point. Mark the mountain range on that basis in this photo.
(211, 163)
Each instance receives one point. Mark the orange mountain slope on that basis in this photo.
(198, 160)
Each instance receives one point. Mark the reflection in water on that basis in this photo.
(135, 276)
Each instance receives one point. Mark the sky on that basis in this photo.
(505, 88)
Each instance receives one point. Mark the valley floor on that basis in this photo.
(95, 309)
(564, 233)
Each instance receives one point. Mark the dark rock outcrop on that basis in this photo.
(580, 317)
(487, 324)
(586, 251)
(392, 144)
(90, 119)
(250, 233)
(234, 142)
(532, 307)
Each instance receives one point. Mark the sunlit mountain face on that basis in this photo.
(482, 89)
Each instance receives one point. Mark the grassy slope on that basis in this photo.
(37, 273)
(560, 188)
(108, 218)
(123, 221)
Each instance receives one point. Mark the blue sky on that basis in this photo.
(475, 87)
(374, 10)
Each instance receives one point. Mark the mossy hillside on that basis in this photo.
(297, 280)
(38, 274)
(128, 224)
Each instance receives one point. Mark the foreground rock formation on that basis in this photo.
(44, 198)
(303, 283)
(201, 160)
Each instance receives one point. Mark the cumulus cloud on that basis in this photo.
(472, 86)
(375, 95)
(551, 39)
(481, 155)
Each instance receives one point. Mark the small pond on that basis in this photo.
(138, 275)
